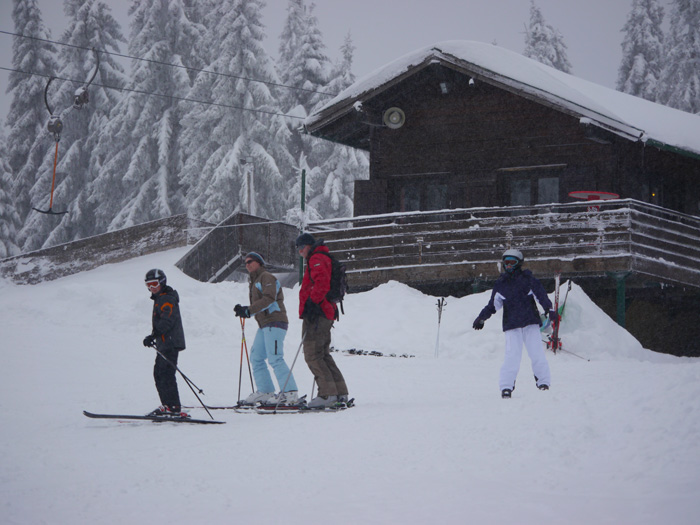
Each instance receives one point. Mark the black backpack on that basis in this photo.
(339, 281)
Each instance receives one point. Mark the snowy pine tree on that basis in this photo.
(680, 78)
(9, 218)
(642, 50)
(544, 43)
(34, 60)
(302, 63)
(138, 155)
(91, 27)
(344, 165)
(304, 66)
(240, 128)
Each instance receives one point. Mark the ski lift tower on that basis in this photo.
(248, 166)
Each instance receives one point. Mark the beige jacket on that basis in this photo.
(266, 298)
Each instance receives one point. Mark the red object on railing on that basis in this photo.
(593, 196)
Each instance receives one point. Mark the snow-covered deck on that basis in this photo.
(653, 244)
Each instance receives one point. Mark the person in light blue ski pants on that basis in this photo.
(269, 344)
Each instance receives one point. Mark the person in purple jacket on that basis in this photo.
(515, 291)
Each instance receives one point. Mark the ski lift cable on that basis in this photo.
(160, 63)
(149, 93)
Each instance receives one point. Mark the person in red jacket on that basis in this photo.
(318, 315)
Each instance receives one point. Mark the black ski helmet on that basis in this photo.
(305, 239)
(156, 275)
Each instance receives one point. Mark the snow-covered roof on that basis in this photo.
(626, 115)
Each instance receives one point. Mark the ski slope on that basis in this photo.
(615, 440)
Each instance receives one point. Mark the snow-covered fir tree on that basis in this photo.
(544, 43)
(91, 27)
(642, 50)
(138, 156)
(9, 218)
(680, 77)
(34, 60)
(302, 63)
(344, 165)
(238, 135)
(305, 68)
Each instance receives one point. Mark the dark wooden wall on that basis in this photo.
(475, 139)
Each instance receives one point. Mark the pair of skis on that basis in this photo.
(554, 342)
(300, 408)
(156, 419)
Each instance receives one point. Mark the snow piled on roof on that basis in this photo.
(632, 115)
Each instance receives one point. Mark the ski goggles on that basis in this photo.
(153, 286)
(510, 262)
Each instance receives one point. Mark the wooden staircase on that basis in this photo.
(222, 250)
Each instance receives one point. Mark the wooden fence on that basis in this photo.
(580, 240)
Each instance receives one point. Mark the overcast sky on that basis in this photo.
(384, 30)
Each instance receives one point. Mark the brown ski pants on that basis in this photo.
(317, 342)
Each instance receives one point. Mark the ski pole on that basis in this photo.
(440, 305)
(244, 345)
(247, 358)
(240, 369)
(187, 380)
(284, 388)
(575, 355)
(563, 305)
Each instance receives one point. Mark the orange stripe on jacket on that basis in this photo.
(167, 304)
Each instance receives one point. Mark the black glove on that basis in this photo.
(478, 323)
(241, 311)
(554, 316)
(312, 311)
(149, 340)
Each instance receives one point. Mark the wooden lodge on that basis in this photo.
(444, 130)
(474, 149)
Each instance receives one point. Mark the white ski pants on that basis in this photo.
(530, 336)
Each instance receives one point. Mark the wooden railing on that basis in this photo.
(111, 247)
(652, 243)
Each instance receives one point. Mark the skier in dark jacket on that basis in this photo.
(516, 291)
(168, 338)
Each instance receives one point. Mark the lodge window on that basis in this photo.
(527, 186)
(423, 196)
(534, 190)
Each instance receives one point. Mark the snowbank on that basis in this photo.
(430, 440)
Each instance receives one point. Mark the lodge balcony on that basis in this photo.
(458, 251)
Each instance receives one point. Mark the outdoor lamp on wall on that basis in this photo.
(394, 118)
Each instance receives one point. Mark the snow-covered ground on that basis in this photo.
(616, 440)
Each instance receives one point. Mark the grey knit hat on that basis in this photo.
(256, 257)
